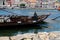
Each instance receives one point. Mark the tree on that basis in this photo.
(22, 5)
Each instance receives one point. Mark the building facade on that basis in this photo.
(46, 3)
(31, 3)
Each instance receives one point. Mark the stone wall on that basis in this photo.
(33, 36)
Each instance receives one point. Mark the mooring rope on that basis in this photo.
(56, 18)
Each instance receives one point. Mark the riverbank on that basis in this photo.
(31, 8)
(32, 36)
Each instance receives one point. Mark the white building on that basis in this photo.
(51, 4)
(46, 3)
(57, 4)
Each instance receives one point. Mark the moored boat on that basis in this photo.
(22, 20)
(58, 8)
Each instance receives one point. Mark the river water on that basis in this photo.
(50, 25)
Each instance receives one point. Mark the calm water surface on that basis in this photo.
(51, 25)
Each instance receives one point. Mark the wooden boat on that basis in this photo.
(58, 8)
(23, 20)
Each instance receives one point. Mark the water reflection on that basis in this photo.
(22, 30)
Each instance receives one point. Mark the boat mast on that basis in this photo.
(35, 16)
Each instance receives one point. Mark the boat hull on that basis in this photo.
(18, 24)
(23, 22)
